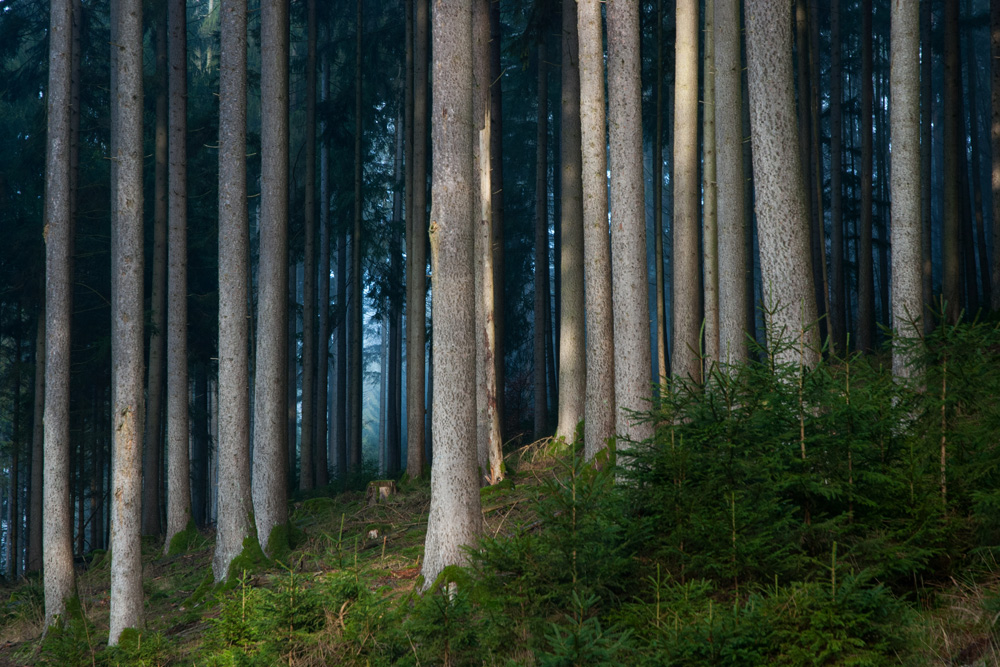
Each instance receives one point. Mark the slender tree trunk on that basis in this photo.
(630, 272)
(687, 319)
(710, 221)
(126, 331)
(818, 174)
(599, 423)
(455, 517)
(541, 243)
(866, 276)
(926, 212)
(323, 336)
(976, 173)
(995, 145)
(341, 360)
(782, 209)
(663, 369)
(572, 349)
(497, 199)
(178, 466)
(307, 469)
(199, 446)
(270, 477)
(34, 562)
(416, 334)
(357, 279)
(907, 291)
(14, 511)
(293, 377)
(395, 287)
(408, 235)
(233, 450)
(950, 249)
(731, 207)
(838, 301)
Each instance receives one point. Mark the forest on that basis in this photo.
(538, 332)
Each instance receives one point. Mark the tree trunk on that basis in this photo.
(838, 298)
(323, 335)
(126, 329)
(233, 450)
(199, 446)
(686, 360)
(270, 480)
(357, 279)
(178, 465)
(710, 221)
(34, 562)
(782, 210)
(950, 249)
(307, 466)
(995, 144)
(541, 272)
(628, 223)
(976, 173)
(455, 517)
(152, 452)
(416, 325)
(907, 292)
(926, 212)
(817, 170)
(866, 275)
(572, 349)
(496, 197)
(408, 157)
(663, 370)
(13, 507)
(599, 422)
(291, 417)
(341, 360)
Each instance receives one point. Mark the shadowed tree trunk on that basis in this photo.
(838, 297)
(356, 391)
(995, 143)
(709, 216)
(34, 560)
(662, 366)
(866, 275)
(976, 174)
(950, 249)
(323, 335)
(926, 102)
(541, 272)
(307, 466)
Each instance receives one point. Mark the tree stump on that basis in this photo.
(378, 490)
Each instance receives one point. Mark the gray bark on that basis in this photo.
(709, 213)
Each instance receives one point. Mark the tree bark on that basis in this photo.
(782, 210)
(866, 275)
(663, 370)
(307, 466)
(178, 465)
(34, 560)
(710, 220)
(907, 290)
(686, 360)
(950, 249)
(323, 335)
(572, 349)
(838, 301)
(926, 212)
(630, 273)
(541, 272)
(126, 604)
(233, 452)
(455, 517)
(497, 205)
(357, 279)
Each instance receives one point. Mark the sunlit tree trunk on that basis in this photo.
(233, 524)
(950, 249)
(307, 467)
(782, 210)
(907, 291)
(731, 206)
(153, 440)
(541, 272)
(126, 604)
(497, 198)
(178, 466)
(455, 517)
(686, 359)
(628, 223)
(572, 350)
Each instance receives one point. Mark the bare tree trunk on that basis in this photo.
(950, 249)
(408, 158)
(233, 444)
(13, 507)
(357, 279)
(782, 209)
(838, 301)
(307, 466)
(926, 112)
(455, 517)
(572, 349)
(907, 291)
(710, 220)
(663, 369)
(416, 334)
(686, 360)
(995, 144)
(866, 276)
(496, 196)
(976, 173)
(126, 328)
(293, 377)
(628, 223)
(34, 562)
(178, 427)
(323, 336)
(541, 272)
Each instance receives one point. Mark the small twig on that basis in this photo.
(497, 531)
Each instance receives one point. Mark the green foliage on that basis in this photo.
(187, 539)
(69, 640)
(137, 649)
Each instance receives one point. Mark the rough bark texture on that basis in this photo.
(307, 466)
(270, 477)
(178, 466)
(541, 273)
(838, 298)
(709, 213)
(950, 249)
(628, 223)
(686, 301)
(233, 453)
(907, 291)
(496, 178)
(599, 422)
(126, 330)
(572, 350)
(152, 451)
(782, 211)
(729, 195)
(416, 331)
(455, 518)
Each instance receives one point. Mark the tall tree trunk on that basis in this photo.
(341, 359)
(199, 446)
(14, 511)
(866, 275)
(599, 422)
(782, 210)
(663, 369)
(395, 256)
(731, 207)
(686, 360)
(178, 465)
(496, 197)
(541, 272)
(926, 212)
(408, 157)
(416, 324)
(818, 175)
(357, 279)
(126, 604)
(710, 221)
(270, 477)
(292, 397)
(907, 290)
(995, 144)
(233, 450)
(839, 303)
(323, 335)
(976, 173)
(307, 466)
(455, 517)
(34, 561)
(950, 249)
(572, 349)
(630, 272)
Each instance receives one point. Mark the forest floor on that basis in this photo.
(340, 538)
